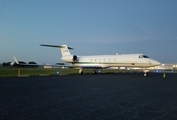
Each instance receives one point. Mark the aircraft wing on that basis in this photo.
(77, 66)
(61, 66)
(19, 64)
(96, 66)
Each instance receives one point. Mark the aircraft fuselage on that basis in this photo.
(129, 60)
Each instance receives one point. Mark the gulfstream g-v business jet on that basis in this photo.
(105, 61)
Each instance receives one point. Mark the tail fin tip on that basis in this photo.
(16, 61)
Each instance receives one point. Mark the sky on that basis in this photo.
(91, 27)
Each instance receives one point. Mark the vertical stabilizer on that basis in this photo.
(64, 49)
(16, 61)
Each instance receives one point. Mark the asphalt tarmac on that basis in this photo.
(121, 96)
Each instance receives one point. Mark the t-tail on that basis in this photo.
(64, 49)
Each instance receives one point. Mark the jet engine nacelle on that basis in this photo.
(70, 59)
(75, 59)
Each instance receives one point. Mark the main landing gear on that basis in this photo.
(94, 71)
(81, 71)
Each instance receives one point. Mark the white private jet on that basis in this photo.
(105, 61)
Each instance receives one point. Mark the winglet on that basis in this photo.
(16, 61)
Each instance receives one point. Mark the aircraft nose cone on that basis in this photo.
(153, 62)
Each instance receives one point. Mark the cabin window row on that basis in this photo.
(103, 60)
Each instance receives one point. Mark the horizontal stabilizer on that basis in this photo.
(64, 49)
(57, 46)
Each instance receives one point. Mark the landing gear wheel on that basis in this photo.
(81, 71)
(145, 74)
(94, 71)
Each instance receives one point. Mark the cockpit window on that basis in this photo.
(143, 56)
